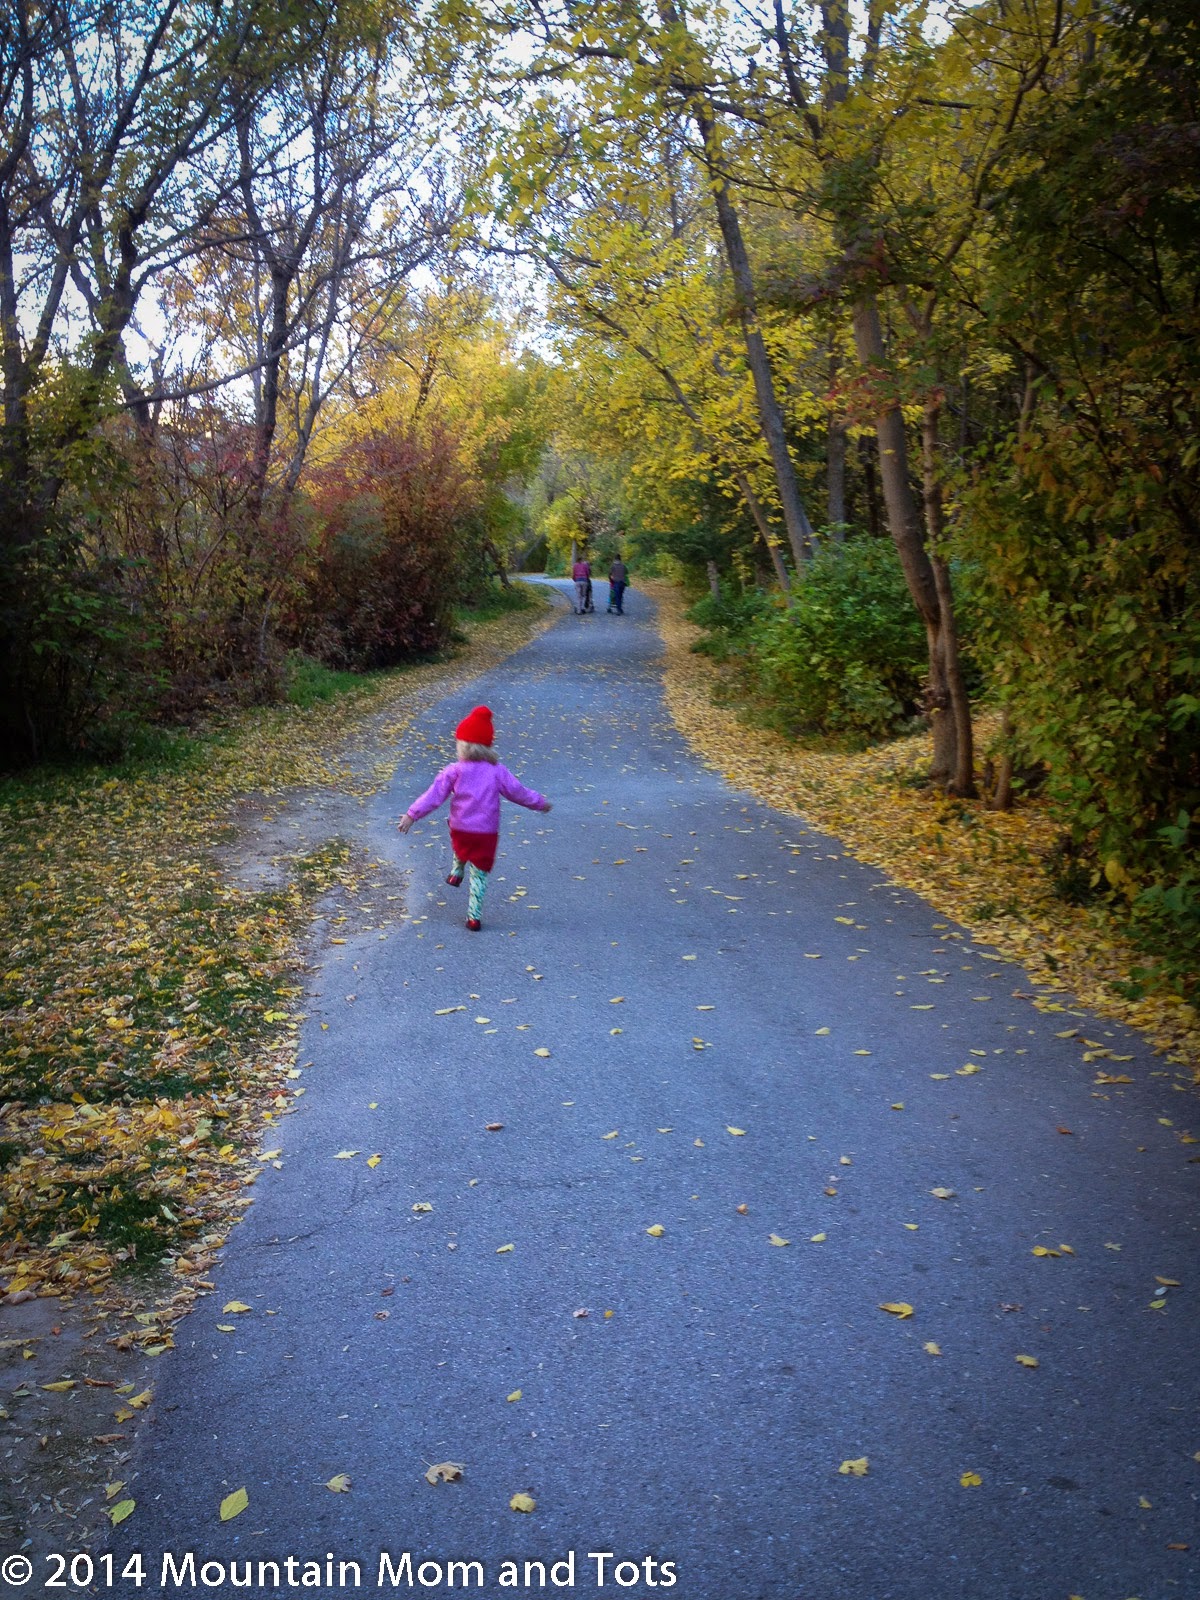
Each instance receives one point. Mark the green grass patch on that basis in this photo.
(310, 682)
(495, 601)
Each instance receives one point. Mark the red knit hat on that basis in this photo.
(476, 727)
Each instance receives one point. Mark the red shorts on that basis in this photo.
(477, 848)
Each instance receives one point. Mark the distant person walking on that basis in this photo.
(618, 582)
(581, 572)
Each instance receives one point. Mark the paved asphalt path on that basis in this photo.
(695, 963)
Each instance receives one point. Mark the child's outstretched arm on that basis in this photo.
(513, 789)
(434, 796)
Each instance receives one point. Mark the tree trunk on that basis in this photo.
(835, 454)
(905, 526)
(493, 555)
(866, 449)
(999, 787)
(835, 477)
(963, 781)
(800, 532)
(801, 536)
(766, 533)
(714, 579)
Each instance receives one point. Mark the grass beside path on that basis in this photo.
(985, 869)
(149, 1007)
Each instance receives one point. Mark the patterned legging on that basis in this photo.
(477, 889)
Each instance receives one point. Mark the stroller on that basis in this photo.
(587, 608)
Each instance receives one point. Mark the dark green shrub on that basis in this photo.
(727, 620)
(848, 655)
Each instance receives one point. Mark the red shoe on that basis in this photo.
(474, 924)
(454, 879)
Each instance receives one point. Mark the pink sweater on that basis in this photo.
(475, 788)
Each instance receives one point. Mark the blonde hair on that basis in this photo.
(476, 752)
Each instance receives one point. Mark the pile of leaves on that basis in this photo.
(986, 869)
(148, 1007)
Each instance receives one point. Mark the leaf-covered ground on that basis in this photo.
(149, 1006)
(986, 869)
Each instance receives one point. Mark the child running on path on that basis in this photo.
(474, 783)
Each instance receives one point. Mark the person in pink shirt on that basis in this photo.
(474, 785)
(581, 573)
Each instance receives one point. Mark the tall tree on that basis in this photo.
(109, 114)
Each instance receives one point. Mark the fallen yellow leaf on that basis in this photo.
(373, 1161)
(234, 1504)
(932, 1349)
(854, 1469)
(339, 1483)
(541, 1051)
(422, 1205)
(120, 1511)
(522, 1502)
(515, 1395)
(503, 1249)
(817, 1238)
(1028, 1361)
(942, 1194)
(737, 1133)
(774, 1238)
(345, 1155)
(444, 1472)
(1042, 1250)
(656, 1230)
(970, 1480)
(61, 1386)
(230, 1308)
(898, 1308)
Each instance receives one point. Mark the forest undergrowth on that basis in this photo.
(150, 1005)
(988, 870)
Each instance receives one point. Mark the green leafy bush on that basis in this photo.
(846, 657)
(727, 620)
